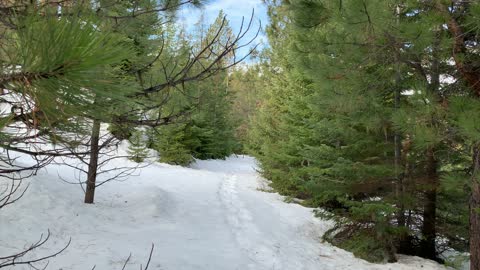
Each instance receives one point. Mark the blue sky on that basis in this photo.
(234, 9)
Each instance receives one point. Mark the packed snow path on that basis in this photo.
(211, 216)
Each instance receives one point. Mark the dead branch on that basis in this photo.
(19, 257)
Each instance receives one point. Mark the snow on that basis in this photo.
(209, 216)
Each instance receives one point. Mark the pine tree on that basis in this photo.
(211, 122)
(137, 149)
(171, 144)
(137, 32)
(63, 61)
(245, 84)
(355, 118)
(207, 132)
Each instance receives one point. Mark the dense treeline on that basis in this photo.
(205, 128)
(369, 110)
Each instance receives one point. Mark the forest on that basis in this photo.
(364, 112)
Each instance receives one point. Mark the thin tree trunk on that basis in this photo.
(399, 189)
(475, 212)
(404, 219)
(93, 163)
(429, 230)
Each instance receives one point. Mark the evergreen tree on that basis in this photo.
(211, 122)
(355, 118)
(245, 84)
(171, 144)
(137, 149)
(207, 131)
(54, 66)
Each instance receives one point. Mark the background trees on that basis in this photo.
(207, 130)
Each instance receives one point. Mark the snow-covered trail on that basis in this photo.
(210, 216)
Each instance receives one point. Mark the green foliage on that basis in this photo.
(120, 131)
(172, 145)
(462, 110)
(207, 131)
(67, 63)
(212, 125)
(137, 149)
(348, 108)
(206, 134)
(345, 84)
(244, 86)
(368, 248)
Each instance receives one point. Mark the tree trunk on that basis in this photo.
(93, 163)
(475, 212)
(404, 215)
(400, 188)
(400, 185)
(429, 230)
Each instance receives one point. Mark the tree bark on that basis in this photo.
(93, 163)
(429, 230)
(404, 216)
(475, 212)
(400, 188)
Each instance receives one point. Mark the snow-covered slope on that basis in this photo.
(210, 216)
